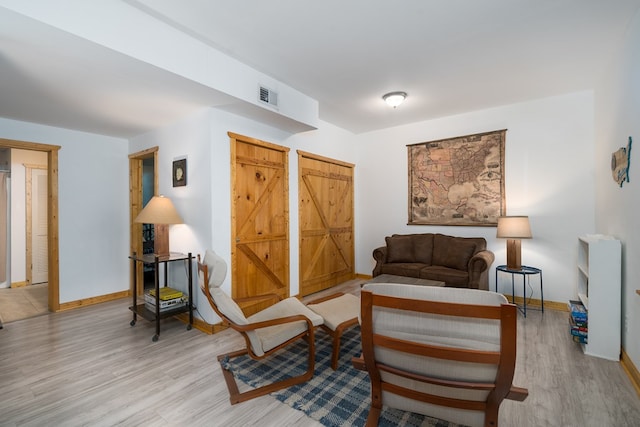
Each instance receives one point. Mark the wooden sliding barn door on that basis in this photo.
(259, 220)
(325, 189)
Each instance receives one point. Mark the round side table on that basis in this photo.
(526, 272)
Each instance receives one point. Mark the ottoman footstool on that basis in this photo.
(339, 311)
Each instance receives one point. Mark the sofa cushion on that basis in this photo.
(423, 248)
(400, 248)
(452, 277)
(452, 252)
(408, 269)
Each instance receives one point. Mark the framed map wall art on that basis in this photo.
(457, 181)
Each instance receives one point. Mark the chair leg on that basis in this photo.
(374, 415)
(335, 353)
(234, 393)
(337, 336)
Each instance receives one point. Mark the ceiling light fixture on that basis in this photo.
(393, 99)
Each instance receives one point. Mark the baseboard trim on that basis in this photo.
(536, 303)
(93, 300)
(201, 325)
(19, 284)
(198, 324)
(631, 370)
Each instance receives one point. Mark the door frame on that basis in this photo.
(52, 214)
(135, 206)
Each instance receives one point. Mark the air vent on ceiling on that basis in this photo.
(268, 96)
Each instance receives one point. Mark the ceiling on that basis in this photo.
(450, 56)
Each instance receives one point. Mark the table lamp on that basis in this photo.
(513, 228)
(160, 212)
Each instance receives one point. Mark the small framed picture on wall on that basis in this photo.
(180, 173)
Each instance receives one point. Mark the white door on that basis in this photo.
(40, 268)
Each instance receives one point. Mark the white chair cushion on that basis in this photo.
(337, 310)
(228, 307)
(481, 334)
(272, 336)
(216, 267)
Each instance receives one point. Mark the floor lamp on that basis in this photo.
(513, 228)
(160, 212)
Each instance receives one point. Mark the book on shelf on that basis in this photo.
(152, 307)
(164, 304)
(578, 325)
(577, 333)
(578, 310)
(580, 339)
(166, 293)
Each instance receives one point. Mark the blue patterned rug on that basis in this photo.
(333, 398)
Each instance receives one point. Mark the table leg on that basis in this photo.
(524, 293)
(513, 290)
(541, 294)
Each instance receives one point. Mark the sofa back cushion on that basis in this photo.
(453, 252)
(400, 248)
(423, 248)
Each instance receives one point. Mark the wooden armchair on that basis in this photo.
(447, 353)
(264, 332)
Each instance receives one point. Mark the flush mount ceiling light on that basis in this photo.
(393, 99)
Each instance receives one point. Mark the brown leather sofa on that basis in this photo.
(461, 262)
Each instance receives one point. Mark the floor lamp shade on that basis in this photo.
(513, 228)
(160, 212)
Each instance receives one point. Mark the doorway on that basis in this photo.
(143, 184)
(53, 273)
(36, 224)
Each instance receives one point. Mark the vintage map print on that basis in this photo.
(457, 181)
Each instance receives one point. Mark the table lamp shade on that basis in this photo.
(160, 212)
(514, 228)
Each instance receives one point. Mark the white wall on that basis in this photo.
(93, 207)
(18, 209)
(205, 202)
(549, 177)
(617, 113)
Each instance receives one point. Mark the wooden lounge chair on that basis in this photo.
(447, 353)
(264, 332)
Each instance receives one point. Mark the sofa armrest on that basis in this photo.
(380, 255)
(479, 269)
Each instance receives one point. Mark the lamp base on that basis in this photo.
(513, 254)
(161, 240)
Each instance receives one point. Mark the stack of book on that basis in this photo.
(578, 322)
(169, 299)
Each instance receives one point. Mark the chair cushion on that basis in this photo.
(228, 307)
(272, 336)
(216, 267)
(337, 310)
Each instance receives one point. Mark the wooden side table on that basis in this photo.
(526, 272)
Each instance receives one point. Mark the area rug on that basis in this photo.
(333, 398)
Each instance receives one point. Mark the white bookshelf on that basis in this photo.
(599, 289)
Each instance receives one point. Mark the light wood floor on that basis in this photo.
(23, 302)
(89, 367)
